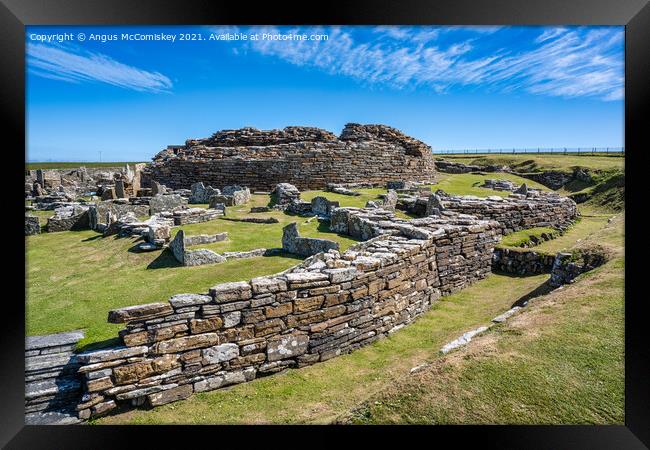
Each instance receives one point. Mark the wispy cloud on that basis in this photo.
(565, 62)
(74, 65)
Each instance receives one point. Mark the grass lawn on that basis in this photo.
(521, 237)
(560, 360)
(75, 277)
(531, 162)
(469, 183)
(320, 393)
(73, 165)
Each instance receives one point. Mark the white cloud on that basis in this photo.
(76, 65)
(559, 62)
(550, 34)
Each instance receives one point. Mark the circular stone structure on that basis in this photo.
(306, 157)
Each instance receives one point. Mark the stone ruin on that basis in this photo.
(293, 243)
(196, 257)
(506, 185)
(308, 158)
(201, 256)
(52, 388)
(330, 304)
(286, 193)
(119, 198)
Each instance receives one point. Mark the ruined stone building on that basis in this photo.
(306, 157)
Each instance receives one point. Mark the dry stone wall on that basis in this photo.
(515, 212)
(52, 387)
(330, 304)
(308, 158)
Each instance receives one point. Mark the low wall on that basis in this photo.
(516, 211)
(52, 387)
(521, 262)
(330, 304)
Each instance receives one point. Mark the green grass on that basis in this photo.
(519, 238)
(320, 393)
(74, 165)
(75, 277)
(534, 163)
(567, 368)
(469, 183)
(560, 360)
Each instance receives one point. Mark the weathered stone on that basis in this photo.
(264, 285)
(170, 395)
(220, 353)
(32, 225)
(184, 300)
(139, 312)
(288, 346)
(97, 356)
(198, 326)
(293, 243)
(166, 202)
(185, 343)
(53, 340)
(228, 292)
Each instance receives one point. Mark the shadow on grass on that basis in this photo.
(111, 342)
(92, 238)
(540, 290)
(324, 227)
(165, 260)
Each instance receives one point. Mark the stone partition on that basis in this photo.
(308, 158)
(330, 304)
(514, 212)
(52, 386)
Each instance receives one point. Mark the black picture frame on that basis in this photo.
(634, 14)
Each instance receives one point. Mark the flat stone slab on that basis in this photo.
(52, 418)
(139, 312)
(45, 362)
(51, 387)
(148, 247)
(97, 356)
(503, 317)
(53, 340)
(463, 340)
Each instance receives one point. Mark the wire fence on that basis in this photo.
(539, 150)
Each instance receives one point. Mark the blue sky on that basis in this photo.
(452, 87)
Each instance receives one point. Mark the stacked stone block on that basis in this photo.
(330, 304)
(308, 158)
(52, 387)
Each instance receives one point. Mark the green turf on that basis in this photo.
(469, 183)
(563, 363)
(531, 162)
(519, 238)
(320, 393)
(75, 277)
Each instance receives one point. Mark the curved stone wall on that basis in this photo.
(308, 158)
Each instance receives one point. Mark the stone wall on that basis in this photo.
(330, 304)
(521, 262)
(515, 212)
(197, 257)
(308, 158)
(52, 387)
